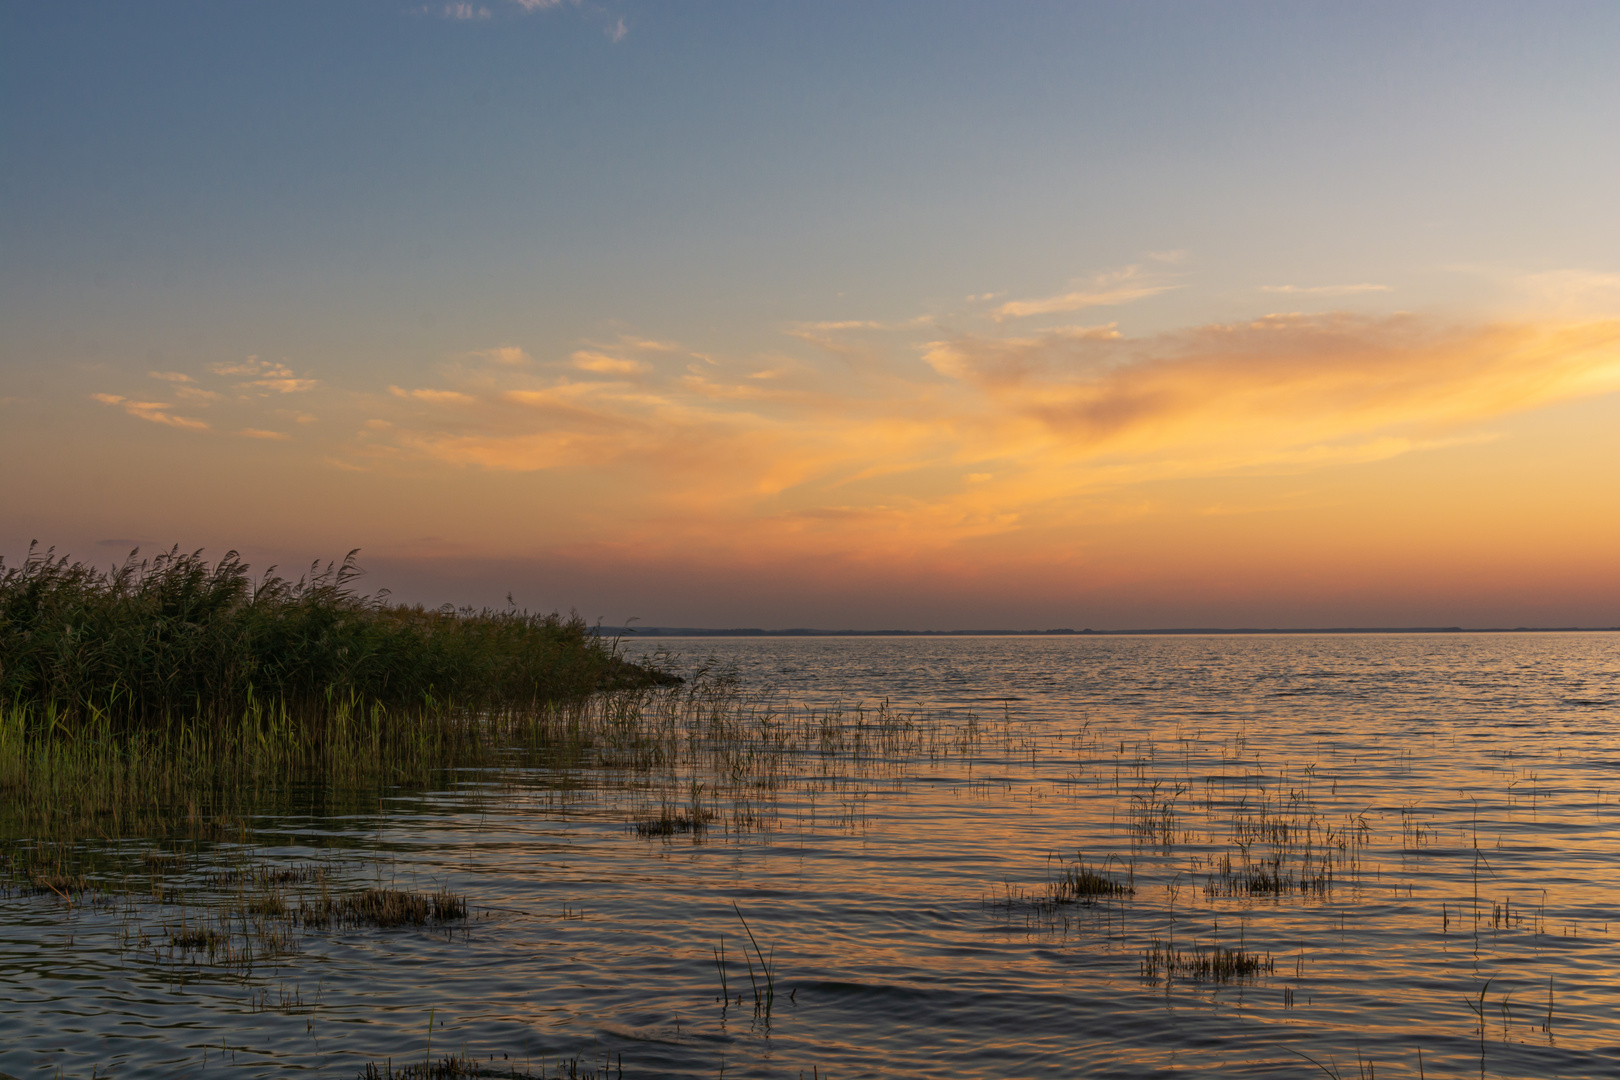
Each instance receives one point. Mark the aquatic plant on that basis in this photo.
(383, 908)
(1216, 964)
(464, 1066)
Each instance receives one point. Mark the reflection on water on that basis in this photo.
(967, 857)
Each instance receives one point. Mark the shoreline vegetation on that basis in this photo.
(174, 640)
(170, 689)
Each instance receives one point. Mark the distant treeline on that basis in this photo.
(175, 639)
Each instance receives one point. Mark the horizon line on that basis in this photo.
(698, 631)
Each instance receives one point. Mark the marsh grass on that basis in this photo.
(1075, 883)
(385, 908)
(1212, 964)
(670, 824)
(171, 699)
(265, 919)
(188, 652)
(118, 807)
(467, 1067)
(170, 829)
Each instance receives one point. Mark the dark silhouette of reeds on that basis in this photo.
(1215, 964)
(174, 640)
(463, 1067)
(385, 908)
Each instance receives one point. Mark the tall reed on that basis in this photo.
(182, 649)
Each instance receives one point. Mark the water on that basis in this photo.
(1415, 836)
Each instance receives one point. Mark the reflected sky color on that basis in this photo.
(918, 315)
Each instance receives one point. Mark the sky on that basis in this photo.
(839, 315)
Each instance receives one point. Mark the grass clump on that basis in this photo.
(1069, 884)
(1075, 883)
(1217, 964)
(385, 908)
(464, 1066)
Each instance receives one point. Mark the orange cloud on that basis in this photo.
(1273, 387)
(154, 411)
(1326, 290)
(264, 375)
(509, 355)
(1107, 290)
(439, 397)
(991, 435)
(603, 364)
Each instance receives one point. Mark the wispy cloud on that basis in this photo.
(602, 364)
(282, 381)
(463, 12)
(264, 376)
(862, 324)
(185, 387)
(509, 355)
(153, 411)
(246, 387)
(652, 345)
(1105, 290)
(617, 30)
(440, 397)
(1326, 290)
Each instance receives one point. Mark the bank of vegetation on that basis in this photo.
(175, 678)
(175, 640)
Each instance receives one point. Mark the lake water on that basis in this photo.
(1348, 849)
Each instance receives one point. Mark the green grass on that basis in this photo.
(171, 698)
(175, 642)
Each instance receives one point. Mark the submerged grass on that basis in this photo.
(1214, 964)
(463, 1067)
(384, 908)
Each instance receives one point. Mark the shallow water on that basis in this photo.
(1451, 802)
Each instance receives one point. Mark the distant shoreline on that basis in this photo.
(692, 631)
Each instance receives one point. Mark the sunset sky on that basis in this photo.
(839, 315)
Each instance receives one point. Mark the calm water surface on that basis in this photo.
(1416, 837)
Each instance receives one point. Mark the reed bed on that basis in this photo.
(168, 697)
(159, 831)
(181, 648)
